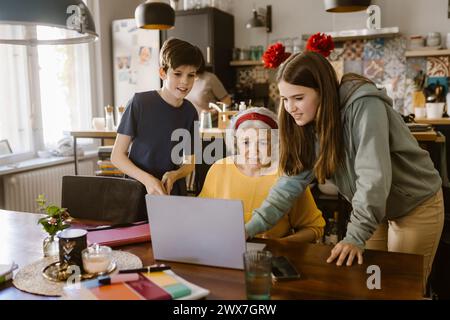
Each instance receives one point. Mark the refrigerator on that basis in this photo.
(135, 60)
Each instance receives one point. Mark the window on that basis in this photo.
(15, 104)
(45, 91)
(64, 90)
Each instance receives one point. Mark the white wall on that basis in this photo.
(292, 18)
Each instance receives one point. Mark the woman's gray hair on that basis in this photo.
(231, 141)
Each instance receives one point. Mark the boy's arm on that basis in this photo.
(170, 177)
(119, 157)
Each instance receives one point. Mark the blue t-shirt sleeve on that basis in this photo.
(128, 124)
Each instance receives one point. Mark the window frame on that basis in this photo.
(35, 108)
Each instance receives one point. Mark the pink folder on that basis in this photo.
(120, 236)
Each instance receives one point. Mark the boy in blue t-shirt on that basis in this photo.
(150, 119)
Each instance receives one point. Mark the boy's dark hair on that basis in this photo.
(176, 52)
(202, 67)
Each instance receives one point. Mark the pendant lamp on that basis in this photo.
(346, 5)
(155, 15)
(35, 22)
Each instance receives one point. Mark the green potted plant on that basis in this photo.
(55, 220)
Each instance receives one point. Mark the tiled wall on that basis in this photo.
(381, 60)
(248, 76)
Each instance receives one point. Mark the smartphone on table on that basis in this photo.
(283, 269)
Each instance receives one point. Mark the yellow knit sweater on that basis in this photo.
(225, 181)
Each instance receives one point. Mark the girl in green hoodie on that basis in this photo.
(349, 133)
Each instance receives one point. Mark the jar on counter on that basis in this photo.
(244, 54)
(433, 39)
(109, 118)
(236, 53)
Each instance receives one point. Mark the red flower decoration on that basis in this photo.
(320, 43)
(275, 55)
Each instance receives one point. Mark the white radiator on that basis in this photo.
(22, 189)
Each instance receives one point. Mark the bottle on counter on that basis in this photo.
(331, 235)
(242, 106)
(109, 118)
(120, 112)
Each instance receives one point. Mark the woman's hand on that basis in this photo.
(154, 186)
(343, 250)
(169, 179)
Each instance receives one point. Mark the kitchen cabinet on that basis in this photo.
(212, 30)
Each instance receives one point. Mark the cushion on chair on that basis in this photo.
(116, 200)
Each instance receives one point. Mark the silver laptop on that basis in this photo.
(198, 230)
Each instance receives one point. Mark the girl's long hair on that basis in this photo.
(297, 143)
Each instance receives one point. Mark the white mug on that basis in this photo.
(98, 123)
(435, 110)
(420, 113)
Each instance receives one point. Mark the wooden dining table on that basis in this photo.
(400, 274)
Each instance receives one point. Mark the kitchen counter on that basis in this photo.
(440, 121)
(426, 136)
(208, 134)
(429, 136)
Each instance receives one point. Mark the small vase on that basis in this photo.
(51, 246)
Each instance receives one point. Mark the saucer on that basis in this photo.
(58, 272)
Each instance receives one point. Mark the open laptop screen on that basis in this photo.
(197, 230)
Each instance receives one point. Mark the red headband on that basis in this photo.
(256, 116)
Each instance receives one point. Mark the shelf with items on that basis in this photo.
(246, 63)
(358, 34)
(427, 53)
(105, 166)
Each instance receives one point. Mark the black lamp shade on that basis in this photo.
(31, 22)
(255, 21)
(346, 5)
(155, 15)
(261, 20)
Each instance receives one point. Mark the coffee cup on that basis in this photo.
(71, 243)
(96, 259)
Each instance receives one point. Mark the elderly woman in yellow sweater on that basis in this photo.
(249, 174)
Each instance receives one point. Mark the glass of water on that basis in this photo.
(258, 279)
